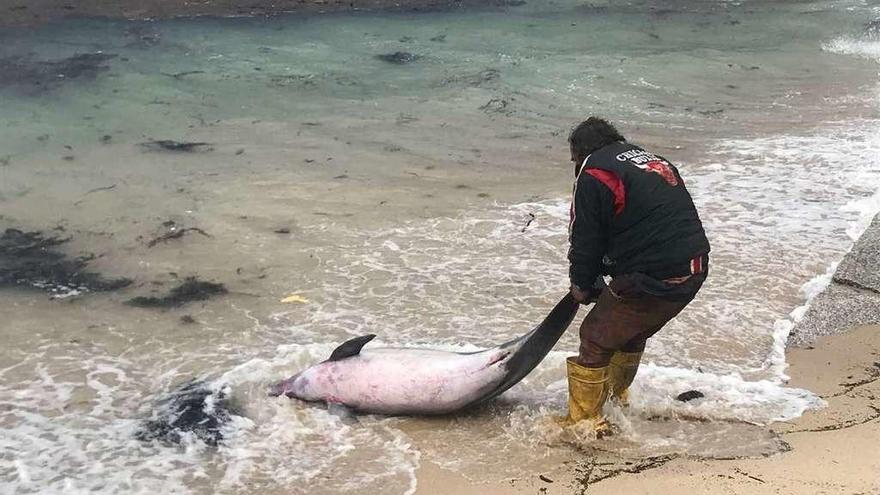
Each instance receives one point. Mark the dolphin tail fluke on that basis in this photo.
(534, 346)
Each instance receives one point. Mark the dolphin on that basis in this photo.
(409, 381)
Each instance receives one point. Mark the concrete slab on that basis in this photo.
(838, 309)
(861, 266)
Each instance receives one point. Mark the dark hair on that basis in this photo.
(593, 134)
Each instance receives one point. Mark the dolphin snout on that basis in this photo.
(285, 387)
(277, 388)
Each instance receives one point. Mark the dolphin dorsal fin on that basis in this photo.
(351, 347)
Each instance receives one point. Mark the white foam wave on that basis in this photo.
(782, 327)
(845, 45)
(726, 397)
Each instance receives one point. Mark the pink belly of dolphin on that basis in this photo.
(402, 381)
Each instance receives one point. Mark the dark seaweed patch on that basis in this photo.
(31, 259)
(175, 232)
(171, 145)
(36, 76)
(195, 408)
(398, 58)
(192, 289)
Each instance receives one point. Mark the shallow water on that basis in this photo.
(406, 190)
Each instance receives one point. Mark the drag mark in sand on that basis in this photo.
(587, 478)
(843, 425)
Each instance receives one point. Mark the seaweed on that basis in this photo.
(196, 408)
(176, 146)
(192, 289)
(30, 259)
(175, 232)
(398, 58)
(36, 76)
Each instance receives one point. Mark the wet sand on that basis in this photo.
(34, 12)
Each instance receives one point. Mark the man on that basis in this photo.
(633, 219)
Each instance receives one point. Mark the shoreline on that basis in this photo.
(21, 13)
(834, 351)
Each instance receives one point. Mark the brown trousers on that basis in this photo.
(632, 309)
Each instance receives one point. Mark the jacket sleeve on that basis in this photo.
(593, 208)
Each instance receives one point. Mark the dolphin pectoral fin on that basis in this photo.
(351, 347)
(343, 412)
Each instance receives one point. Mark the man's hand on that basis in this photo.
(589, 295)
(582, 296)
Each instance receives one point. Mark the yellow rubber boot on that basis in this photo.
(587, 391)
(621, 372)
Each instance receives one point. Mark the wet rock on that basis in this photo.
(31, 259)
(440, 38)
(197, 408)
(192, 289)
(689, 395)
(187, 320)
(176, 146)
(37, 76)
(398, 58)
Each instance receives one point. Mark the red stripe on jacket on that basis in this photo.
(613, 182)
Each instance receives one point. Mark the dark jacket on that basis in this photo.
(631, 213)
